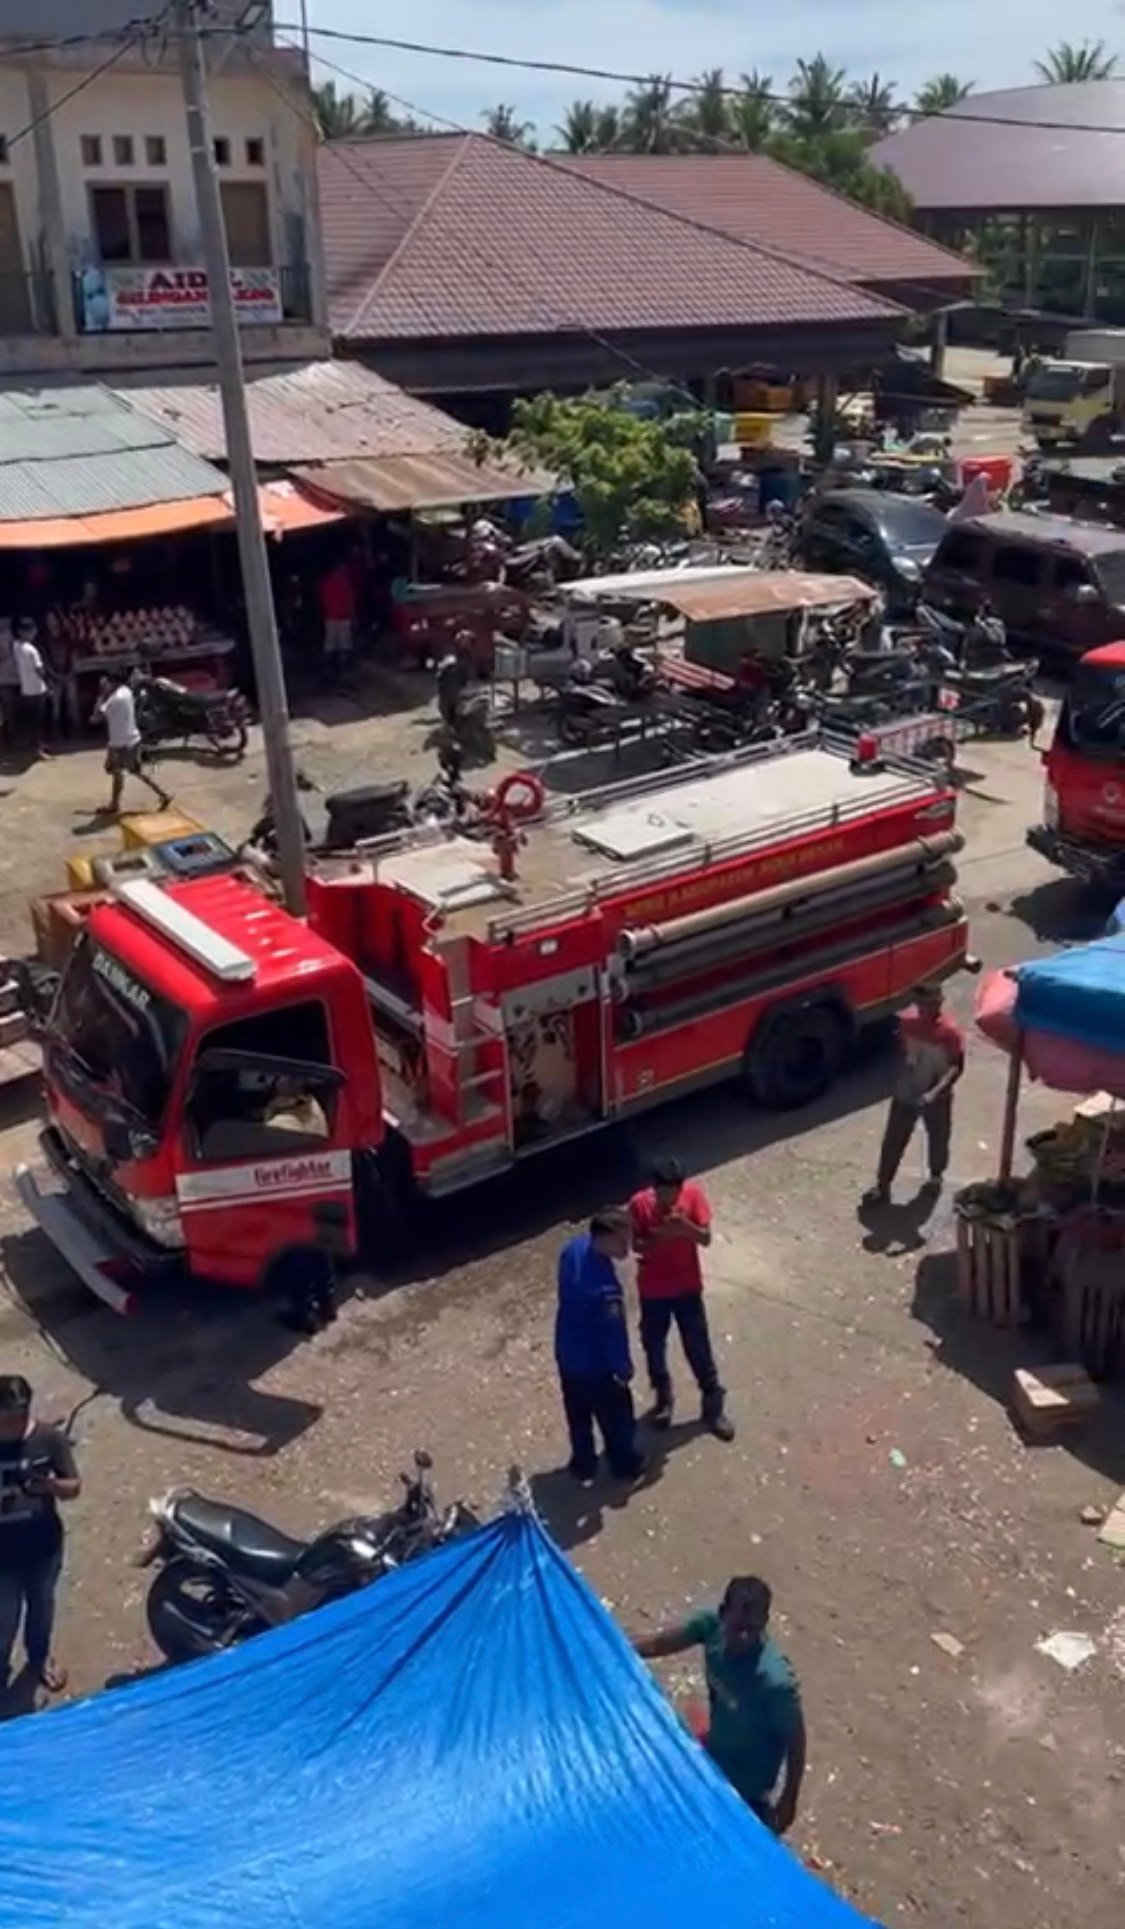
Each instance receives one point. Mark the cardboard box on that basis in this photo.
(1051, 1398)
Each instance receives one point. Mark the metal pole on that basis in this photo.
(256, 583)
(1011, 1110)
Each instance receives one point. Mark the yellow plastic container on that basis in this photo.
(155, 827)
(753, 430)
(79, 874)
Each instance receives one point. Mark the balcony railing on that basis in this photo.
(154, 298)
(27, 304)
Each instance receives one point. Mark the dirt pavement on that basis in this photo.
(876, 1479)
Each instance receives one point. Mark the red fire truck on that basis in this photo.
(218, 1072)
(1083, 828)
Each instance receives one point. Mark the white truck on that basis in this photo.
(1079, 396)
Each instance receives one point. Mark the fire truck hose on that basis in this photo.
(923, 851)
(632, 1024)
(789, 924)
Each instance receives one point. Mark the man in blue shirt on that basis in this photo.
(592, 1351)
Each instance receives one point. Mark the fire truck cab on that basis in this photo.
(1083, 827)
(219, 1072)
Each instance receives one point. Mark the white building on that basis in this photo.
(100, 257)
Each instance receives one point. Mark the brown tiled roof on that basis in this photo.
(756, 199)
(1040, 147)
(454, 236)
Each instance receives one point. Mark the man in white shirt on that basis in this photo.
(117, 708)
(33, 686)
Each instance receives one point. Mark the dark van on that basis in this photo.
(1059, 585)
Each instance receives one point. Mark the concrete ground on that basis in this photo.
(876, 1479)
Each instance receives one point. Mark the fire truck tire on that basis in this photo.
(796, 1054)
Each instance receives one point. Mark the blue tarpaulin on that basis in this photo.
(471, 1742)
(1078, 994)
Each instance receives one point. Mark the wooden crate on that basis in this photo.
(1090, 1309)
(990, 1267)
(1047, 1399)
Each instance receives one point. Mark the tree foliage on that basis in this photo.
(633, 479)
(341, 117)
(938, 95)
(1074, 61)
(503, 123)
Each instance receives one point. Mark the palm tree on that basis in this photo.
(378, 116)
(817, 102)
(941, 93)
(648, 119)
(874, 106)
(752, 114)
(1070, 62)
(502, 123)
(338, 116)
(587, 128)
(705, 112)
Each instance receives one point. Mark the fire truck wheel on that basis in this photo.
(795, 1057)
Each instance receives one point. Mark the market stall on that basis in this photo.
(1045, 1244)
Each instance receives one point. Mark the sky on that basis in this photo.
(991, 44)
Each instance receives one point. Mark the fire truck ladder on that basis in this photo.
(652, 871)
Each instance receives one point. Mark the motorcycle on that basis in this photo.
(169, 713)
(227, 1575)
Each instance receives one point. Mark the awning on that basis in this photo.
(118, 525)
(762, 592)
(286, 510)
(435, 481)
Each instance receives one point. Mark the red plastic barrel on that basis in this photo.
(997, 470)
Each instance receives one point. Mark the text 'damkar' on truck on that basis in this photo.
(1079, 396)
(218, 1072)
(1083, 827)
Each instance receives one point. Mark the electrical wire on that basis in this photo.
(131, 39)
(523, 63)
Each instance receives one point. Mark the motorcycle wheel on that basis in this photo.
(190, 1613)
(229, 740)
(574, 731)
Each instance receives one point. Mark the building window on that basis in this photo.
(91, 149)
(156, 150)
(255, 152)
(221, 147)
(123, 150)
(131, 224)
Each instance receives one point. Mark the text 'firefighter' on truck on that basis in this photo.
(218, 1073)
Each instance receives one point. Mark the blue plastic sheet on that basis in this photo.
(1078, 994)
(471, 1742)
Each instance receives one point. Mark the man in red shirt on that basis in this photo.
(933, 1059)
(671, 1224)
(337, 607)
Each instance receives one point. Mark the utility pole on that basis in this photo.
(257, 587)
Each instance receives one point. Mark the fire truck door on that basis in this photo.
(264, 1144)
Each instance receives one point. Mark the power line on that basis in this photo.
(526, 64)
(131, 39)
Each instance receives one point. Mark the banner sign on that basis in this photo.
(133, 298)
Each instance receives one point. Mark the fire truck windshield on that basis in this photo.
(113, 1040)
(1094, 717)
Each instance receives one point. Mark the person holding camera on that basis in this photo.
(37, 1471)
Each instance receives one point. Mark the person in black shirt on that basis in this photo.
(37, 1470)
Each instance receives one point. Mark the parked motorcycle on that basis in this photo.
(226, 1575)
(167, 712)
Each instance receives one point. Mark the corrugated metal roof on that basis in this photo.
(758, 595)
(391, 483)
(756, 199)
(75, 449)
(305, 412)
(508, 243)
(1034, 150)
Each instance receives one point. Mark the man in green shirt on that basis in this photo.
(757, 1728)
